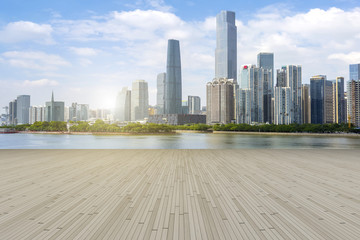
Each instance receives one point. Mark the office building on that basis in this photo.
(22, 109)
(184, 107)
(220, 101)
(243, 103)
(160, 95)
(123, 106)
(173, 92)
(266, 62)
(306, 104)
(226, 46)
(54, 110)
(317, 96)
(140, 100)
(329, 102)
(194, 103)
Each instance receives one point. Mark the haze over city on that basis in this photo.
(88, 53)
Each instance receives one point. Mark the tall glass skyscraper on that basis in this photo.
(354, 72)
(266, 61)
(225, 53)
(317, 96)
(173, 92)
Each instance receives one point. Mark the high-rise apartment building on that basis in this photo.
(139, 100)
(54, 110)
(243, 103)
(123, 105)
(220, 101)
(226, 48)
(256, 78)
(291, 76)
(79, 112)
(173, 88)
(22, 109)
(329, 102)
(194, 103)
(283, 106)
(36, 114)
(160, 95)
(184, 107)
(306, 104)
(353, 95)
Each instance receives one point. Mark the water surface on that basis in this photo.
(176, 141)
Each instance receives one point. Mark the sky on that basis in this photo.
(86, 51)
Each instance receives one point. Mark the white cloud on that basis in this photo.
(352, 57)
(84, 51)
(40, 83)
(23, 31)
(34, 60)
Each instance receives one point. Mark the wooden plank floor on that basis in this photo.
(180, 194)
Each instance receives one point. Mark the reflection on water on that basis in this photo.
(178, 141)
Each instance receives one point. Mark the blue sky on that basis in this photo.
(87, 50)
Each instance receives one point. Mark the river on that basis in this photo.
(176, 141)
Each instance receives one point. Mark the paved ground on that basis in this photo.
(180, 194)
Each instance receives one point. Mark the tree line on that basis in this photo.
(101, 126)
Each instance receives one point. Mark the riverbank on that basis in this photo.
(95, 133)
(354, 135)
(292, 134)
(179, 194)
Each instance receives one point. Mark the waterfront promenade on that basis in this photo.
(180, 194)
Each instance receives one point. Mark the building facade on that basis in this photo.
(220, 101)
(173, 85)
(12, 112)
(139, 100)
(317, 96)
(123, 106)
(160, 94)
(22, 109)
(339, 110)
(226, 46)
(194, 103)
(306, 104)
(54, 110)
(353, 95)
(282, 108)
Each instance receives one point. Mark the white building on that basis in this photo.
(139, 100)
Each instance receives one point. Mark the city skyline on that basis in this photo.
(35, 58)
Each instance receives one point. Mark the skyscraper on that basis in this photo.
(256, 78)
(160, 95)
(226, 49)
(317, 96)
(54, 110)
(123, 105)
(139, 100)
(353, 95)
(173, 92)
(22, 109)
(266, 61)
